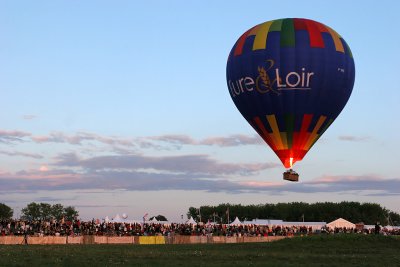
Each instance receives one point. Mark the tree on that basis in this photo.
(34, 211)
(368, 213)
(192, 212)
(393, 218)
(57, 211)
(5, 212)
(43, 211)
(70, 213)
(31, 212)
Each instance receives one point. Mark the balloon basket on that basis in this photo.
(291, 175)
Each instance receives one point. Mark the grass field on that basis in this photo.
(337, 250)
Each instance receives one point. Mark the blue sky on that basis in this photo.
(122, 106)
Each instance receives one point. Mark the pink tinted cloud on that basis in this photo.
(345, 178)
(222, 141)
(12, 136)
(140, 180)
(178, 164)
(162, 142)
(79, 138)
(233, 140)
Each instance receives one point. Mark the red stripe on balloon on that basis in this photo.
(321, 27)
(304, 133)
(314, 34)
(240, 43)
(285, 155)
(299, 24)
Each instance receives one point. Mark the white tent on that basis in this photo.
(191, 221)
(131, 221)
(313, 225)
(340, 223)
(236, 222)
(263, 222)
(119, 219)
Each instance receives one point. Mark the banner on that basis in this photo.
(120, 240)
(47, 240)
(12, 240)
(74, 239)
(138, 240)
(151, 240)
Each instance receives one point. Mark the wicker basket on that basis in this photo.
(291, 175)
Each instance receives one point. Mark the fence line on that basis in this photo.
(137, 240)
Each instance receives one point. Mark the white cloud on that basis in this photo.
(354, 138)
(29, 117)
(20, 154)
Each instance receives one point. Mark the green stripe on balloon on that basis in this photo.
(276, 26)
(288, 33)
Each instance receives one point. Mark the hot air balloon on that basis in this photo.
(290, 79)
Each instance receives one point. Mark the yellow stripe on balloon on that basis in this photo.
(336, 39)
(314, 136)
(260, 42)
(284, 140)
(275, 131)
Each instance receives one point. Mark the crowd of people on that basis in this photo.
(95, 227)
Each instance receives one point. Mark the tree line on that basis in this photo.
(368, 213)
(40, 211)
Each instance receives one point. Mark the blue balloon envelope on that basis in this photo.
(290, 79)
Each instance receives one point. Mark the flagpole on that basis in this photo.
(200, 213)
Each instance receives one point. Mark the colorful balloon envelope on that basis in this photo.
(290, 79)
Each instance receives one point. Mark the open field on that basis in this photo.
(321, 250)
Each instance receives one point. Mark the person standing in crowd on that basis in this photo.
(377, 228)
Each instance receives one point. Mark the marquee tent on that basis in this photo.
(191, 221)
(340, 223)
(236, 222)
(119, 219)
(313, 225)
(264, 222)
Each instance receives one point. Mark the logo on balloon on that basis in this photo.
(279, 81)
(263, 81)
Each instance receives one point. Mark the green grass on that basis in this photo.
(337, 250)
